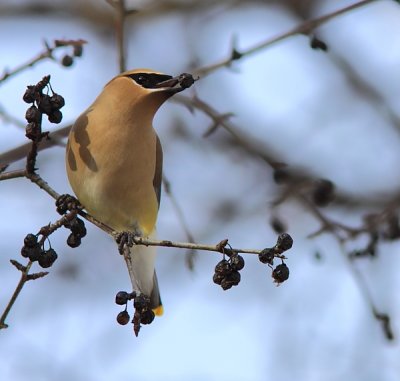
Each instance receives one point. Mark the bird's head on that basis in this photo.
(146, 88)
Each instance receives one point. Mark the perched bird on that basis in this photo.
(114, 163)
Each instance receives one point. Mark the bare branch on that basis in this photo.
(305, 28)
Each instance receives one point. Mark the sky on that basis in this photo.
(298, 101)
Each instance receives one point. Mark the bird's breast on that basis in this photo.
(111, 166)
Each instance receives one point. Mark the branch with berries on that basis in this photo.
(75, 47)
(44, 101)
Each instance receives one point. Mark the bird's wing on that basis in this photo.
(157, 179)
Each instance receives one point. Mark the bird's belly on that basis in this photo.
(119, 192)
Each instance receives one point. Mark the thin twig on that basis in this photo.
(24, 274)
(383, 318)
(191, 254)
(46, 53)
(304, 28)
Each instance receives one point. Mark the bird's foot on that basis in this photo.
(127, 238)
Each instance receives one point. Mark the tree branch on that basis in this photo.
(304, 28)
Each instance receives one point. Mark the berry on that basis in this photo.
(47, 258)
(30, 93)
(280, 273)
(32, 114)
(226, 285)
(223, 267)
(237, 262)
(267, 256)
(57, 101)
(32, 131)
(30, 240)
(317, 44)
(34, 253)
(284, 242)
(25, 251)
(230, 280)
(77, 227)
(147, 316)
(278, 225)
(141, 302)
(323, 193)
(234, 278)
(73, 240)
(55, 116)
(67, 60)
(121, 298)
(217, 278)
(44, 104)
(123, 317)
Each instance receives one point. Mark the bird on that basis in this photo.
(114, 163)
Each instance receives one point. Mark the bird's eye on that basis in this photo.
(141, 80)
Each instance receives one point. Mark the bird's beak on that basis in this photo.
(177, 84)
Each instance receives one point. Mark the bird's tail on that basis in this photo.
(141, 262)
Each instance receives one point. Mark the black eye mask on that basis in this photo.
(149, 80)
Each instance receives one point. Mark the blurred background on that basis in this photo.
(301, 115)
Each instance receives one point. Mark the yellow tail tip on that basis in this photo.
(158, 311)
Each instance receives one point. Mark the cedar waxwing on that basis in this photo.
(114, 163)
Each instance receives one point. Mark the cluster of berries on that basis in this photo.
(68, 59)
(78, 230)
(33, 250)
(122, 299)
(281, 272)
(227, 272)
(41, 104)
(143, 312)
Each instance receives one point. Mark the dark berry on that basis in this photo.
(67, 60)
(217, 278)
(57, 101)
(123, 317)
(267, 256)
(77, 227)
(230, 280)
(32, 114)
(323, 193)
(226, 285)
(34, 253)
(25, 251)
(280, 273)
(47, 258)
(44, 104)
(237, 262)
(32, 131)
(78, 50)
(121, 298)
(73, 240)
(141, 302)
(317, 44)
(284, 242)
(147, 316)
(223, 267)
(55, 116)
(62, 203)
(30, 240)
(278, 225)
(186, 80)
(233, 277)
(30, 93)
